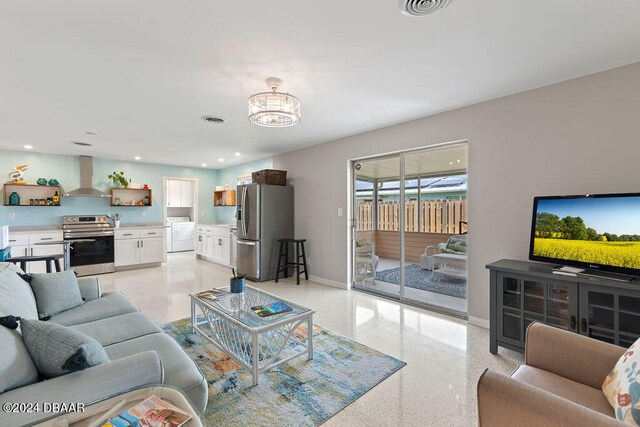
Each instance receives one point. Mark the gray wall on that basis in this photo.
(580, 136)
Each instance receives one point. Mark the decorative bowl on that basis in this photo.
(42, 181)
(53, 181)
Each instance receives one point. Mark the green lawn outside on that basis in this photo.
(619, 254)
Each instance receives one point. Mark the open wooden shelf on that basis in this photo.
(128, 195)
(31, 191)
(224, 198)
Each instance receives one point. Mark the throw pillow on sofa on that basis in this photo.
(16, 296)
(55, 292)
(622, 386)
(57, 350)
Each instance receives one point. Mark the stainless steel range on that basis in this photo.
(97, 256)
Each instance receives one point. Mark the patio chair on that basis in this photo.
(366, 262)
(452, 259)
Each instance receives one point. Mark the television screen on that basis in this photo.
(593, 231)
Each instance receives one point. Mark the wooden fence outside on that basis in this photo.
(436, 216)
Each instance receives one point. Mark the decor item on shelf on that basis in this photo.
(119, 179)
(117, 201)
(17, 176)
(147, 199)
(42, 181)
(56, 198)
(269, 177)
(236, 283)
(53, 182)
(14, 199)
(145, 187)
(274, 109)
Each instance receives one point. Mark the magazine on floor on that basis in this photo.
(152, 412)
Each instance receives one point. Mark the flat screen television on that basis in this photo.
(600, 232)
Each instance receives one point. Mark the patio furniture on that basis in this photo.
(255, 343)
(366, 262)
(452, 259)
(426, 259)
(283, 259)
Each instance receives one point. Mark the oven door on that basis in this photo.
(100, 251)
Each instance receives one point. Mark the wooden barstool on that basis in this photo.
(22, 261)
(283, 259)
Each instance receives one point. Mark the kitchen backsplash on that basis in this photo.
(66, 170)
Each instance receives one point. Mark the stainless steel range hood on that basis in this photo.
(86, 181)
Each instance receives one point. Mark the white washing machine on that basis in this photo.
(181, 234)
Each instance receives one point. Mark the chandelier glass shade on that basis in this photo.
(274, 109)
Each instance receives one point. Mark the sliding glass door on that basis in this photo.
(409, 226)
(376, 231)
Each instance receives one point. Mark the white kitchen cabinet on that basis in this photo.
(139, 246)
(179, 194)
(24, 244)
(126, 252)
(200, 243)
(173, 193)
(186, 195)
(151, 250)
(214, 243)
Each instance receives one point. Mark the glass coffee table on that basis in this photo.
(255, 343)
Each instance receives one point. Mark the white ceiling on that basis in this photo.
(141, 73)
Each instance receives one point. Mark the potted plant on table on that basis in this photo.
(236, 283)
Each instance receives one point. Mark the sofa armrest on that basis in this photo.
(88, 386)
(504, 401)
(89, 288)
(569, 355)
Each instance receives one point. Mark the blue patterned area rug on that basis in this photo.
(417, 278)
(296, 393)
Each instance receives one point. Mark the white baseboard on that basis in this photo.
(328, 282)
(478, 321)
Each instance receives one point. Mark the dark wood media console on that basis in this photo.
(523, 292)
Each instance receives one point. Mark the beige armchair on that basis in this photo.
(559, 384)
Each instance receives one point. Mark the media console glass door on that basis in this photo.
(610, 315)
(522, 301)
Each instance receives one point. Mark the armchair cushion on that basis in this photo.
(575, 392)
(456, 245)
(621, 386)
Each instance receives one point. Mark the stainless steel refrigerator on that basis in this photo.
(264, 214)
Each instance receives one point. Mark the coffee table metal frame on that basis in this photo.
(239, 341)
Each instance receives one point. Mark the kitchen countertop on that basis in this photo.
(29, 229)
(144, 225)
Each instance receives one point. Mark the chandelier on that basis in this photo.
(274, 109)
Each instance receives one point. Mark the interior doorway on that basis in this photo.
(409, 228)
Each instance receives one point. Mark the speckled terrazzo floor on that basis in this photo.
(445, 356)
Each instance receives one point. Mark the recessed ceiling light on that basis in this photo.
(204, 165)
(138, 158)
(221, 160)
(238, 154)
(213, 120)
(450, 163)
(458, 160)
(82, 144)
(28, 147)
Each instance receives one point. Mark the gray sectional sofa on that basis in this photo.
(140, 353)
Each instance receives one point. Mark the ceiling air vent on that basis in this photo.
(422, 7)
(82, 144)
(213, 120)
